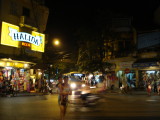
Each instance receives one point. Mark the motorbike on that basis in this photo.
(89, 99)
(8, 91)
(126, 89)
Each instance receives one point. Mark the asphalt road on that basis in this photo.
(109, 107)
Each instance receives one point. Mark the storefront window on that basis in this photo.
(127, 78)
(19, 79)
(148, 75)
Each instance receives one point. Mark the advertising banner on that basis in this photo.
(6, 39)
(11, 36)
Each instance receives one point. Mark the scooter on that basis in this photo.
(89, 99)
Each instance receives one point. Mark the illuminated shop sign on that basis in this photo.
(25, 37)
(13, 64)
(77, 74)
(26, 44)
(11, 36)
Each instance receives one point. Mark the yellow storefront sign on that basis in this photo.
(13, 64)
(9, 64)
(5, 38)
(11, 36)
(39, 48)
(2, 64)
(19, 65)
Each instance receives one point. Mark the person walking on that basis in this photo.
(63, 90)
(149, 88)
(155, 86)
(158, 87)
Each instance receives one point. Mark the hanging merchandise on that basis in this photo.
(1, 79)
(126, 71)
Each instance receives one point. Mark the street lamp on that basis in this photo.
(56, 42)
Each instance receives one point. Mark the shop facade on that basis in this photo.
(19, 47)
(16, 74)
(123, 72)
(111, 78)
(147, 71)
(126, 74)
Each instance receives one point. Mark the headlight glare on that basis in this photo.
(83, 85)
(73, 85)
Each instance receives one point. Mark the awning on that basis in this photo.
(148, 62)
(8, 62)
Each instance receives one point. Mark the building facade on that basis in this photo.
(22, 42)
(120, 50)
(148, 57)
(135, 54)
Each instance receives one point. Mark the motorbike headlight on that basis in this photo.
(73, 85)
(83, 85)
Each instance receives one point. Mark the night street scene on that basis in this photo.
(79, 60)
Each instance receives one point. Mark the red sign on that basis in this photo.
(26, 44)
(127, 70)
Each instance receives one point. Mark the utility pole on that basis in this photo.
(49, 75)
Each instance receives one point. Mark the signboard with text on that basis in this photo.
(11, 36)
(149, 64)
(126, 64)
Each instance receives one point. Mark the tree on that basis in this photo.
(91, 39)
(91, 51)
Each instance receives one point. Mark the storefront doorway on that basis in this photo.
(128, 78)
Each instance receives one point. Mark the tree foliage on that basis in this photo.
(91, 51)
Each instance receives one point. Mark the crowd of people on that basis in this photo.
(152, 86)
(152, 83)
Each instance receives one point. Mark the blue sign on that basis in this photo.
(149, 64)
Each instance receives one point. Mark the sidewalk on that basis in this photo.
(23, 94)
(133, 92)
(31, 94)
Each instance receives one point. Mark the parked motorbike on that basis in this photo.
(8, 91)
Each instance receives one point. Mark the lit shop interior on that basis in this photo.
(17, 74)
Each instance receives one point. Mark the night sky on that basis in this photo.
(65, 17)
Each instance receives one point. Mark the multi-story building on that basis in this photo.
(148, 49)
(147, 64)
(120, 50)
(135, 54)
(22, 41)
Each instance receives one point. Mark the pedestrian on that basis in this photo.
(155, 86)
(63, 90)
(149, 88)
(158, 87)
(49, 89)
(36, 85)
